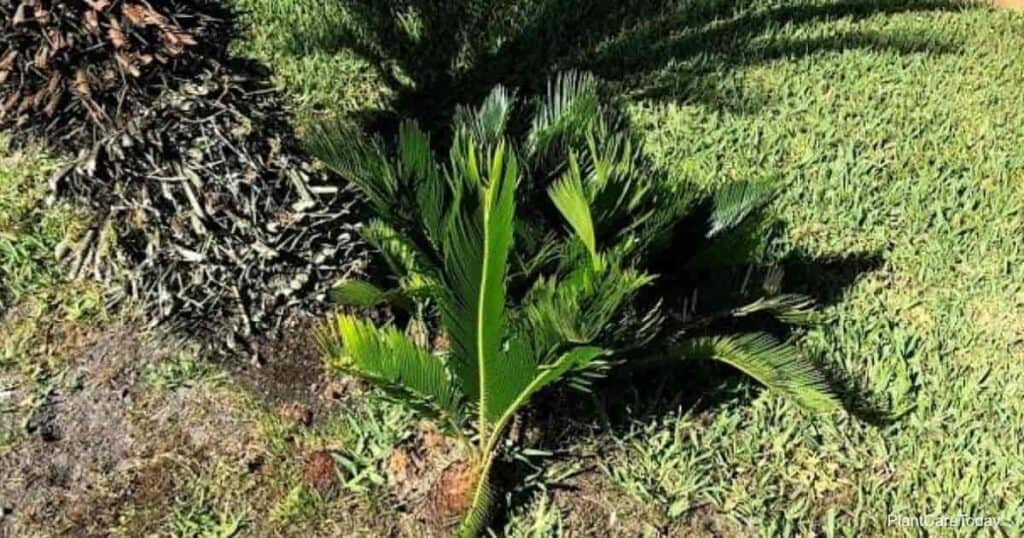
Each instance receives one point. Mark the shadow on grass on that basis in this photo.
(437, 55)
(556, 422)
(637, 394)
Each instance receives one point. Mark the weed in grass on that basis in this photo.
(179, 371)
(299, 504)
(207, 509)
(538, 519)
(30, 232)
(655, 465)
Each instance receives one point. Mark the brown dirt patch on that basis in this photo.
(76, 441)
(291, 372)
(99, 440)
(320, 472)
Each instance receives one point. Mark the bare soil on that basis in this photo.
(78, 441)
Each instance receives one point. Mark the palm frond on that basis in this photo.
(512, 373)
(358, 293)
(362, 294)
(488, 123)
(570, 200)
(571, 105)
(416, 162)
(476, 264)
(498, 216)
(582, 358)
(776, 365)
(735, 202)
(431, 197)
(476, 518)
(357, 158)
(402, 255)
(579, 306)
(387, 358)
(787, 307)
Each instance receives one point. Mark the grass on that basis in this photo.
(294, 36)
(28, 234)
(898, 134)
(904, 156)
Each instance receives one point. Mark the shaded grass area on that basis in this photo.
(898, 132)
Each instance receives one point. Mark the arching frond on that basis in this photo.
(387, 358)
(431, 199)
(476, 519)
(362, 294)
(570, 200)
(578, 307)
(416, 161)
(357, 158)
(488, 123)
(512, 372)
(359, 293)
(570, 107)
(776, 365)
(787, 307)
(735, 202)
(402, 255)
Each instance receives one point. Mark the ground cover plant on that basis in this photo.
(894, 128)
(521, 307)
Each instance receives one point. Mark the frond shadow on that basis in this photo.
(639, 395)
(437, 55)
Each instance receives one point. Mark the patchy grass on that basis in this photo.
(182, 370)
(29, 233)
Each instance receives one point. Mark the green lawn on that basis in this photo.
(898, 134)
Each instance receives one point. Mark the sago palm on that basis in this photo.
(528, 250)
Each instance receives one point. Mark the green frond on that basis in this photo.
(416, 161)
(356, 158)
(570, 107)
(431, 198)
(488, 123)
(387, 358)
(462, 275)
(358, 293)
(788, 308)
(476, 518)
(465, 178)
(777, 365)
(498, 215)
(619, 183)
(511, 372)
(570, 200)
(362, 294)
(402, 255)
(735, 202)
(476, 264)
(578, 307)
(577, 359)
